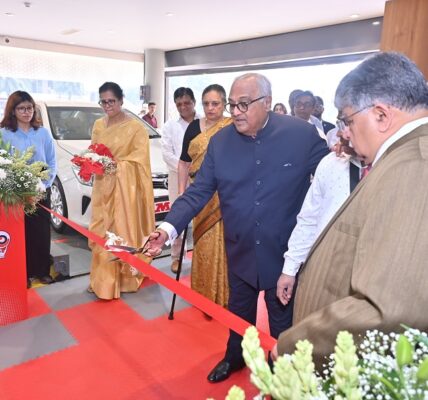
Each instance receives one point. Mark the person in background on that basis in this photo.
(292, 99)
(122, 203)
(23, 130)
(259, 208)
(336, 177)
(172, 142)
(318, 111)
(209, 264)
(367, 269)
(304, 106)
(279, 108)
(150, 116)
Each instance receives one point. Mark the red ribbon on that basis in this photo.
(219, 313)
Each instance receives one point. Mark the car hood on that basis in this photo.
(73, 146)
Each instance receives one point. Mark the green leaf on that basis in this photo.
(404, 351)
(422, 374)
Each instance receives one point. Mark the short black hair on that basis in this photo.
(112, 87)
(184, 91)
(307, 93)
(152, 103)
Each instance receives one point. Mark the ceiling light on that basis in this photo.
(376, 23)
(169, 14)
(9, 14)
(110, 31)
(353, 16)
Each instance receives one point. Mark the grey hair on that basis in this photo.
(263, 83)
(386, 77)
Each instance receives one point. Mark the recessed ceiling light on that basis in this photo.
(71, 42)
(353, 16)
(9, 14)
(376, 23)
(169, 14)
(111, 31)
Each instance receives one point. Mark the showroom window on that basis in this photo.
(321, 78)
(52, 75)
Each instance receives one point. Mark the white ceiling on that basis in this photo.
(135, 25)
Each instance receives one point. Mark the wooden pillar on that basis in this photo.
(405, 29)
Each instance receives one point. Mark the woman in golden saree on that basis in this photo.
(209, 265)
(122, 203)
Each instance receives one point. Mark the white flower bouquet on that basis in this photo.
(20, 180)
(384, 366)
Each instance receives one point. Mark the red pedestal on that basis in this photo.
(13, 274)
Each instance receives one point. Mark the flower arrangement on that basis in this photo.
(384, 366)
(20, 180)
(96, 160)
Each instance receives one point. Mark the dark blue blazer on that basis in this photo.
(261, 183)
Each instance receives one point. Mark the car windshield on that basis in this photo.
(75, 123)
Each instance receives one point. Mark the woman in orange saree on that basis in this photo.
(122, 203)
(209, 264)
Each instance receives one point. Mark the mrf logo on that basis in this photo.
(4, 242)
(162, 207)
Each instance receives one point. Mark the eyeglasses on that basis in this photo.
(185, 103)
(242, 105)
(108, 102)
(211, 103)
(23, 110)
(300, 104)
(344, 122)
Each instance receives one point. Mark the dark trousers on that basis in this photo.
(243, 302)
(38, 240)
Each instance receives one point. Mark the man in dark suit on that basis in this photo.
(260, 166)
(319, 109)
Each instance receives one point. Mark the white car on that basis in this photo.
(71, 126)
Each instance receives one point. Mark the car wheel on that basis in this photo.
(59, 205)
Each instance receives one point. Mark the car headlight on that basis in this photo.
(75, 170)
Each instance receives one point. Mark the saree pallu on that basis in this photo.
(122, 203)
(209, 264)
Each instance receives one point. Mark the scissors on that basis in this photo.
(128, 249)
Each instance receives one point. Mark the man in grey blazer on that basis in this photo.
(260, 166)
(368, 268)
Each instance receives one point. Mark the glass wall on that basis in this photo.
(51, 75)
(321, 79)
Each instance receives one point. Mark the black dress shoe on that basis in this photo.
(223, 370)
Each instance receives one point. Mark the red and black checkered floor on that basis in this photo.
(74, 346)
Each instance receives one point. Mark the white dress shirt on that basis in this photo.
(328, 191)
(318, 124)
(172, 142)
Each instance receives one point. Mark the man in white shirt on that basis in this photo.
(304, 107)
(172, 141)
(335, 178)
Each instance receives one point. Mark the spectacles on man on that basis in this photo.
(23, 110)
(345, 122)
(301, 104)
(108, 102)
(211, 103)
(242, 106)
(185, 103)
